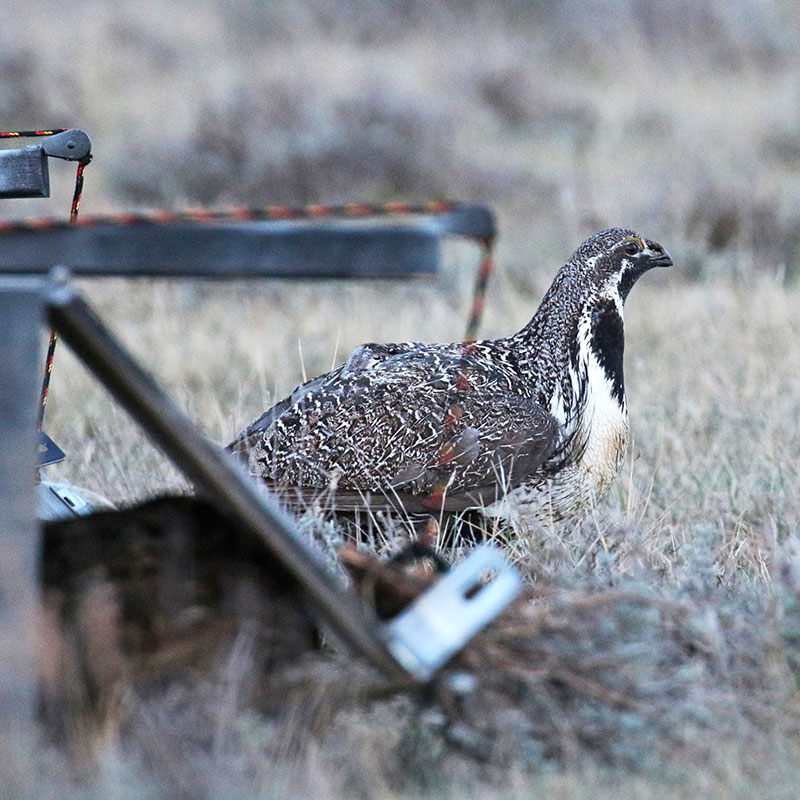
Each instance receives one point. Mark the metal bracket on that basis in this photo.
(24, 171)
(71, 145)
(49, 452)
(441, 621)
(62, 500)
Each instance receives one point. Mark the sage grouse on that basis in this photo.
(532, 426)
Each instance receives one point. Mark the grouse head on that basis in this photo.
(580, 318)
(600, 272)
(613, 260)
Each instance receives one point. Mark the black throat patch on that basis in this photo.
(608, 345)
(631, 275)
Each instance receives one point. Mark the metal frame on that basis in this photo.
(357, 248)
(307, 249)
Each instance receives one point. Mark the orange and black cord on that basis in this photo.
(51, 347)
(243, 214)
(73, 216)
(479, 293)
(30, 134)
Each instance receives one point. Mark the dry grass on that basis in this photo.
(680, 120)
(703, 520)
(712, 384)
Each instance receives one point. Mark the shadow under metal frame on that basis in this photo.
(28, 298)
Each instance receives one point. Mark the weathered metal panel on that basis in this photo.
(251, 249)
(20, 332)
(359, 248)
(23, 173)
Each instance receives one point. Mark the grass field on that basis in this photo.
(705, 514)
(682, 121)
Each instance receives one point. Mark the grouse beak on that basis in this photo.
(657, 255)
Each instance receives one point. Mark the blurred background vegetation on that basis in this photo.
(680, 119)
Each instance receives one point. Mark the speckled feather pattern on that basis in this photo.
(476, 420)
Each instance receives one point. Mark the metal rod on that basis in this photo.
(21, 312)
(214, 473)
(351, 249)
(354, 248)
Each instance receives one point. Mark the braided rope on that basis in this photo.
(237, 213)
(73, 217)
(485, 271)
(30, 134)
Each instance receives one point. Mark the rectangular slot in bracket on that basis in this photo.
(441, 621)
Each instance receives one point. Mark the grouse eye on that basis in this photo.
(631, 248)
